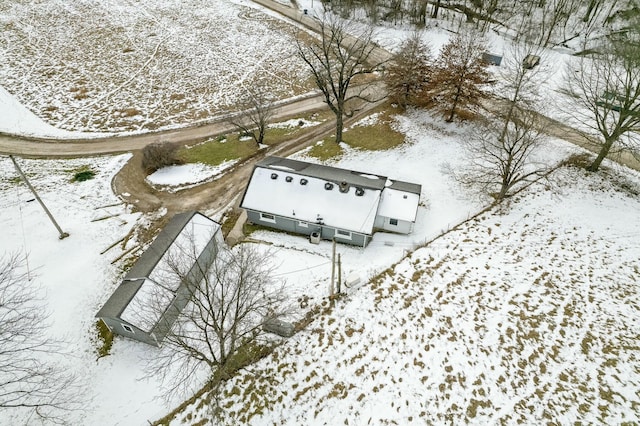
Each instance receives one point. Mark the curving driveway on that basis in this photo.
(81, 147)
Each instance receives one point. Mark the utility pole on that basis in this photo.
(339, 273)
(333, 269)
(62, 234)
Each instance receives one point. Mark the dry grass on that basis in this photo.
(133, 71)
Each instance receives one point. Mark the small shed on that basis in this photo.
(156, 288)
(492, 58)
(530, 61)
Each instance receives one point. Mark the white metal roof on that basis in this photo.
(148, 305)
(397, 204)
(311, 201)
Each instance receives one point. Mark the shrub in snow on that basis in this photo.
(158, 155)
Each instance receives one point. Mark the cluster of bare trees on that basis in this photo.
(394, 11)
(30, 379)
(545, 23)
(343, 59)
(453, 84)
(604, 87)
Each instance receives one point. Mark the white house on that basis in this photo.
(328, 202)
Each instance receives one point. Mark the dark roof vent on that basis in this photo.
(288, 178)
(303, 181)
(274, 176)
(328, 186)
(344, 186)
(359, 192)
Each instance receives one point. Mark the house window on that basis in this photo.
(127, 328)
(393, 222)
(267, 217)
(343, 234)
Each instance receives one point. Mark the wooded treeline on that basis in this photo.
(543, 22)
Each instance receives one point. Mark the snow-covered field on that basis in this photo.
(521, 316)
(526, 314)
(129, 66)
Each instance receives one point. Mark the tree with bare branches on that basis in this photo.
(409, 71)
(518, 83)
(606, 90)
(502, 155)
(459, 75)
(30, 381)
(255, 115)
(342, 57)
(502, 152)
(225, 313)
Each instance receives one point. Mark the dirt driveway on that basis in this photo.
(131, 186)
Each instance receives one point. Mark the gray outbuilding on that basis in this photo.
(155, 290)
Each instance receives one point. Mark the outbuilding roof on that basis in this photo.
(149, 286)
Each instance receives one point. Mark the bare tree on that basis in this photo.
(518, 83)
(30, 381)
(502, 155)
(225, 312)
(503, 150)
(409, 71)
(256, 114)
(336, 60)
(606, 91)
(460, 74)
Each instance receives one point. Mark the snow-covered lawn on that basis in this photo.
(76, 279)
(131, 66)
(182, 176)
(522, 313)
(529, 313)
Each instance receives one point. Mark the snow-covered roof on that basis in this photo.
(338, 198)
(314, 193)
(401, 205)
(148, 304)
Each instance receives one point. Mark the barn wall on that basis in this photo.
(115, 325)
(295, 226)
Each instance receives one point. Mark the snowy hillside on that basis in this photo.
(529, 313)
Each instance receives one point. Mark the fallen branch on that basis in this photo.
(112, 246)
(135, 248)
